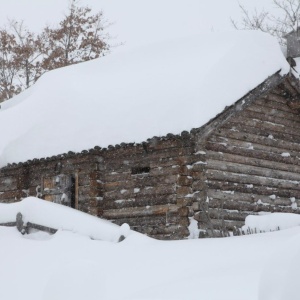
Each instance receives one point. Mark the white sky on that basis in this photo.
(138, 21)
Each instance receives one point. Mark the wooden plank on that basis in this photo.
(273, 127)
(275, 97)
(250, 179)
(216, 213)
(256, 139)
(252, 153)
(269, 118)
(251, 198)
(274, 104)
(140, 211)
(261, 132)
(252, 189)
(245, 169)
(253, 161)
(273, 112)
(10, 195)
(233, 205)
(9, 224)
(228, 142)
(138, 201)
(159, 190)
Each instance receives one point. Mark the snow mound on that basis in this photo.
(280, 277)
(57, 216)
(150, 91)
(271, 222)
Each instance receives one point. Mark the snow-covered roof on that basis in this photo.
(131, 96)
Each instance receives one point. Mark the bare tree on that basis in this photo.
(79, 37)
(28, 52)
(8, 66)
(287, 20)
(25, 56)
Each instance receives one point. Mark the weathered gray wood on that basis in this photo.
(9, 224)
(252, 153)
(41, 227)
(272, 104)
(231, 112)
(245, 169)
(138, 211)
(256, 139)
(253, 161)
(273, 112)
(250, 179)
(272, 119)
(252, 189)
(251, 198)
(272, 127)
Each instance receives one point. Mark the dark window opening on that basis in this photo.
(72, 191)
(140, 170)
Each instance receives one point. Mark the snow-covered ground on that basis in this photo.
(151, 91)
(71, 265)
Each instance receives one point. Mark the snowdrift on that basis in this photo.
(131, 96)
(271, 222)
(57, 216)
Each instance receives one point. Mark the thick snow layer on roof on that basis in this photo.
(131, 96)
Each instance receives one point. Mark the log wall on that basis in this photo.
(253, 163)
(149, 185)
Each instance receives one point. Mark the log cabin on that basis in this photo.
(245, 160)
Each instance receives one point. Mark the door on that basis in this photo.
(59, 189)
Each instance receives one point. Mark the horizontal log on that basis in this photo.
(9, 224)
(251, 198)
(272, 127)
(218, 224)
(10, 195)
(246, 169)
(270, 104)
(139, 201)
(216, 213)
(232, 205)
(256, 139)
(275, 97)
(250, 179)
(149, 221)
(229, 142)
(140, 211)
(261, 132)
(273, 112)
(41, 228)
(265, 117)
(252, 189)
(252, 153)
(146, 191)
(252, 161)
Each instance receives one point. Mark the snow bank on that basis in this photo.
(71, 266)
(131, 96)
(271, 222)
(61, 217)
(280, 277)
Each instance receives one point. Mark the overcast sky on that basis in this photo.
(138, 22)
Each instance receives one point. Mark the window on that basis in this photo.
(140, 170)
